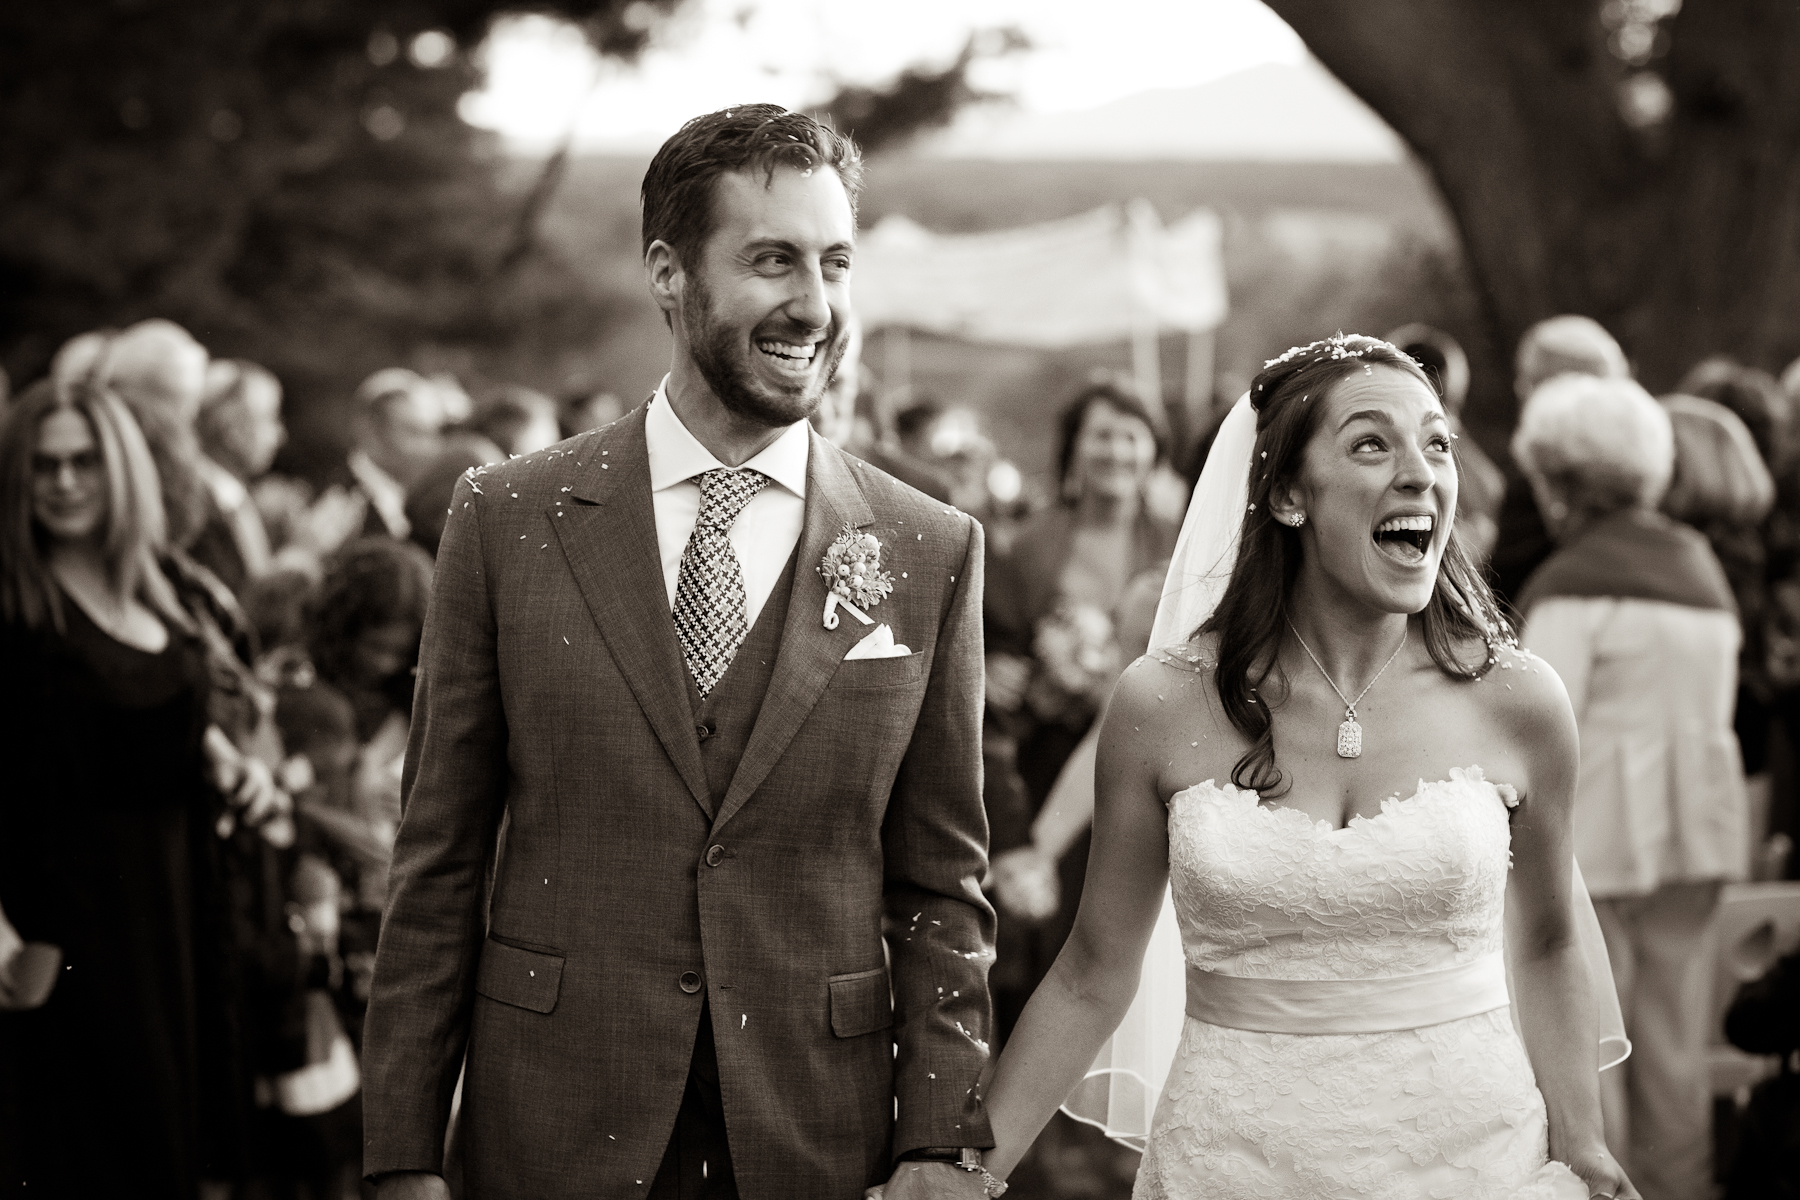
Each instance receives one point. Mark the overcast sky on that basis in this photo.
(542, 78)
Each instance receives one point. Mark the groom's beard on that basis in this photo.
(718, 352)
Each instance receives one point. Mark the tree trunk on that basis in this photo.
(1682, 239)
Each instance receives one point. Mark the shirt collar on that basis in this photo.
(377, 482)
(676, 455)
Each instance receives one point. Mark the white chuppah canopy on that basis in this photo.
(1112, 274)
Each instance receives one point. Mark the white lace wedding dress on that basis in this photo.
(1263, 892)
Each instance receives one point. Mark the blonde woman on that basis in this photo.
(107, 848)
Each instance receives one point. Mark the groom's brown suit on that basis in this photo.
(638, 882)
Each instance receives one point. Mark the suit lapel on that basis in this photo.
(809, 655)
(610, 544)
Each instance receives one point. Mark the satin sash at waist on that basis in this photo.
(1348, 1005)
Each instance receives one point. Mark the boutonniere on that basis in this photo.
(853, 576)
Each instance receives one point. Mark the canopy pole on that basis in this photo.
(1197, 388)
(1146, 364)
(896, 358)
(1198, 392)
(1143, 237)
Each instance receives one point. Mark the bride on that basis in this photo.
(1331, 768)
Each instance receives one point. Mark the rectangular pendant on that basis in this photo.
(1349, 740)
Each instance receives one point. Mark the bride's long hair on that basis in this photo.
(1252, 615)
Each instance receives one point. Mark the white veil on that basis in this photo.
(1120, 1092)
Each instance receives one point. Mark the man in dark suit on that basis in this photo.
(397, 418)
(698, 778)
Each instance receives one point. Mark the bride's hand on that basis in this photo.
(1604, 1177)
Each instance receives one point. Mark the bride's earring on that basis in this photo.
(1297, 520)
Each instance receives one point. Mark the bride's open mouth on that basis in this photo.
(1405, 539)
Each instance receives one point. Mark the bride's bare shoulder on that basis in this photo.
(1199, 655)
(1168, 683)
(1524, 695)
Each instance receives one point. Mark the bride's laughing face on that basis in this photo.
(1377, 484)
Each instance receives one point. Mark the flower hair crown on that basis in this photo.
(1338, 345)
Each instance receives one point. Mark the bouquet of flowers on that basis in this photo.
(1078, 660)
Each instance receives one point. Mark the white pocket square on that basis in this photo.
(879, 644)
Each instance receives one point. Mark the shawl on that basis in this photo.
(1633, 554)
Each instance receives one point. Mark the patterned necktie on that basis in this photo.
(711, 617)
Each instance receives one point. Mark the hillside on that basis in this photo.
(1310, 247)
(1275, 112)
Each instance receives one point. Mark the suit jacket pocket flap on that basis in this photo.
(879, 672)
(519, 977)
(861, 1003)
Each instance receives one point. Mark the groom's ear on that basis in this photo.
(663, 274)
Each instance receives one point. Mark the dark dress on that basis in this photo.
(106, 850)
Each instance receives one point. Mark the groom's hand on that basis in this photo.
(928, 1181)
(411, 1185)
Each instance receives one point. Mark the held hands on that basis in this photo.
(28, 970)
(249, 789)
(11, 948)
(926, 1181)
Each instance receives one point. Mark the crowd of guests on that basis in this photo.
(212, 665)
(210, 669)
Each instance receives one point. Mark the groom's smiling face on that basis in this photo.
(765, 311)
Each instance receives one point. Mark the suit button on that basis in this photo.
(715, 855)
(690, 982)
(704, 730)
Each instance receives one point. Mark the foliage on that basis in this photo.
(288, 178)
(1634, 160)
(919, 99)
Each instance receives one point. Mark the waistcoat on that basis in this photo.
(724, 719)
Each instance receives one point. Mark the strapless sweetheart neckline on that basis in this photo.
(1392, 805)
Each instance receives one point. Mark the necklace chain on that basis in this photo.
(1349, 704)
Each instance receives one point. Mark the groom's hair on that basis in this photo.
(678, 187)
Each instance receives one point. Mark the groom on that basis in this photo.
(664, 788)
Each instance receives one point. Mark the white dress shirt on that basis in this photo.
(765, 533)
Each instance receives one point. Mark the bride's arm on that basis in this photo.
(1092, 983)
(1550, 978)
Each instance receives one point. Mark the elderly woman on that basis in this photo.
(1635, 614)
